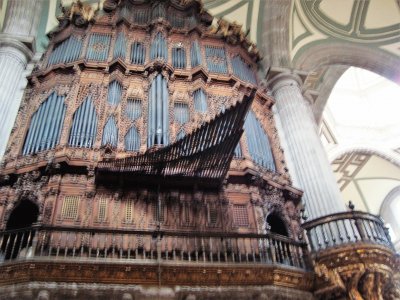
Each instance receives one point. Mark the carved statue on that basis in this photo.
(80, 14)
(234, 34)
(331, 276)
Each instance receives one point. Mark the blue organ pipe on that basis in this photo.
(165, 113)
(180, 135)
(158, 47)
(50, 127)
(238, 151)
(90, 126)
(119, 49)
(195, 54)
(84, 125)
(72, 138)
(159, 128)
(152, 113)
(42, 125)
(114, 92)
(258, 142)
(80, 123)
(57, 128)
(110, 133)
(132, 140)
(200, 101)
(133, 109)
(95, 39)
(158, 112)
(48, 121)
(43, 122)
(50, 133)
(38, 124)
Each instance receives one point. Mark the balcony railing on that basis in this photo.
(344, 228)
(133, 246)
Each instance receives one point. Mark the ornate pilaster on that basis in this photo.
(312, 171)
(17, 41)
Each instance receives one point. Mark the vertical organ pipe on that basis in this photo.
(45, 123)
(84, 125)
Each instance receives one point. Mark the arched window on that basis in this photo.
(200, 100)
(114, 92)
(159, 47)
(46, 125)
(24, 215)
(158, 112)
(195, 54)
(181, 112)
(258, 142)
(133, 109)
(84, 125)
(98, 47)
(66, 51)
(120, 46)
(110, 133)
(138, 53)
(276, 225)
(179, 57)
(242, 70)
(132, 140)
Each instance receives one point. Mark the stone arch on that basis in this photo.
(339, 56)
(24, 213)
(277, 223)
(362, 149)
(393, 194)
(341, 53)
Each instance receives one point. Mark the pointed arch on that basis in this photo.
(114, 92)
(159, 47)
(84, 125)
(120, 46)
(158, 119)
(46, 124)
(179, 57)
(195, 54)
(258, 142)
(110, 133)
(132, 140)
(138, 53)
(200, 100)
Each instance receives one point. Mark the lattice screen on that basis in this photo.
(70, 207)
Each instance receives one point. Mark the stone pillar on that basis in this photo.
(312, 171)
(17, 46)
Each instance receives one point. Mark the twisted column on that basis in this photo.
(312, 171)
(17, 46)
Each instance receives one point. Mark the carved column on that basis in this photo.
(17, 46)
(311, 168)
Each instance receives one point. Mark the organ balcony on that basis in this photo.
(353, 256)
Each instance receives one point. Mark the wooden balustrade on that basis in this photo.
(344, 228)
(69, 243)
